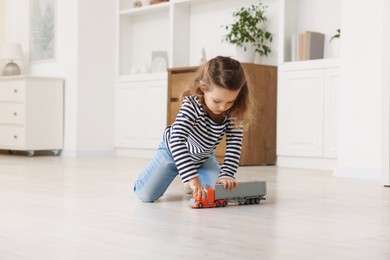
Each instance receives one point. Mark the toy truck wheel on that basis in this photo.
(200, 205)
(257, 201)
(218, 204)
(224, 204)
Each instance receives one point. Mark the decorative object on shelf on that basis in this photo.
(137, 3)
(159, 61)
(335, 43)
(11, 52)
(145, 69)
(247, 31)
(134, 71)
(42, 30)
(159, 65)
(152, 2)
(307, 46)
(203, 58)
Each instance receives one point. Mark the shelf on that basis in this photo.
(143, 77)
(309, 64)
(192, 2)
(298, 16)
(145, 9)
(136, 43)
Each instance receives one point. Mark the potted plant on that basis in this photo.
(336, 36)
(247, 31)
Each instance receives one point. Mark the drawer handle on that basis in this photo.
(15, 137)
(15, 114)
(174, 99)
(15, 91)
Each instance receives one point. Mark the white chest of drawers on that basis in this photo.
(31, 114)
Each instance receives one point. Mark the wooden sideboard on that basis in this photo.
(259, 142)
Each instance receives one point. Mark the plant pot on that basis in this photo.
(335, 46)
(246, 53)
(152, 2)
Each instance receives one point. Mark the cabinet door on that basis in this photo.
(300, 113)
(140, 114)
(259, 142)
(331, 88)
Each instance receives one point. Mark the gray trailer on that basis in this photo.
(247, 192)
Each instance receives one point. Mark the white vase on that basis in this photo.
(246, 53)
(335, 45)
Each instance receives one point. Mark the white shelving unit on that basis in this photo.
(307, 90)
(167, 27)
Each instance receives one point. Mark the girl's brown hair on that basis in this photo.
(227, 73)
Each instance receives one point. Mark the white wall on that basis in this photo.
(84, 57)
(3, 27)
(3, 20)
(96, 74)
(65, 66)
(359, 142)
(386, 97)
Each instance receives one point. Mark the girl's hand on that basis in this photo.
(228, 184)
(197, 188)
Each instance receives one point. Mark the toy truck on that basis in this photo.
(249, 192)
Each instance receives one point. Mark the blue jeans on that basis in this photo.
(155, 179)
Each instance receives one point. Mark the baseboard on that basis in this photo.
(306, 163)
(357, 172)
(135, 153)
(89, 153)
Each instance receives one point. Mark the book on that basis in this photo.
(314, 47)
(305, 46)
(294, 48)
(300, 46)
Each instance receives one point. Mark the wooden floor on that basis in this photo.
(84, 208)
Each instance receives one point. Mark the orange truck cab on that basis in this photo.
(210, 202)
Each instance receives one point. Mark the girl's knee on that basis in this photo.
(145, 197)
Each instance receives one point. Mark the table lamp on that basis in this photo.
(11, 52)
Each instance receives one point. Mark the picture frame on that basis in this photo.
(159, 61)
(42, 30)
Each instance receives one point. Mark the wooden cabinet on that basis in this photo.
(31, 114)
(259, 143)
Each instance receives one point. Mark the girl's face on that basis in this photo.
(218, 100)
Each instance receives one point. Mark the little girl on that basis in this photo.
(215, 104)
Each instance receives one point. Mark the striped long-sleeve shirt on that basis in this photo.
(194, 136)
